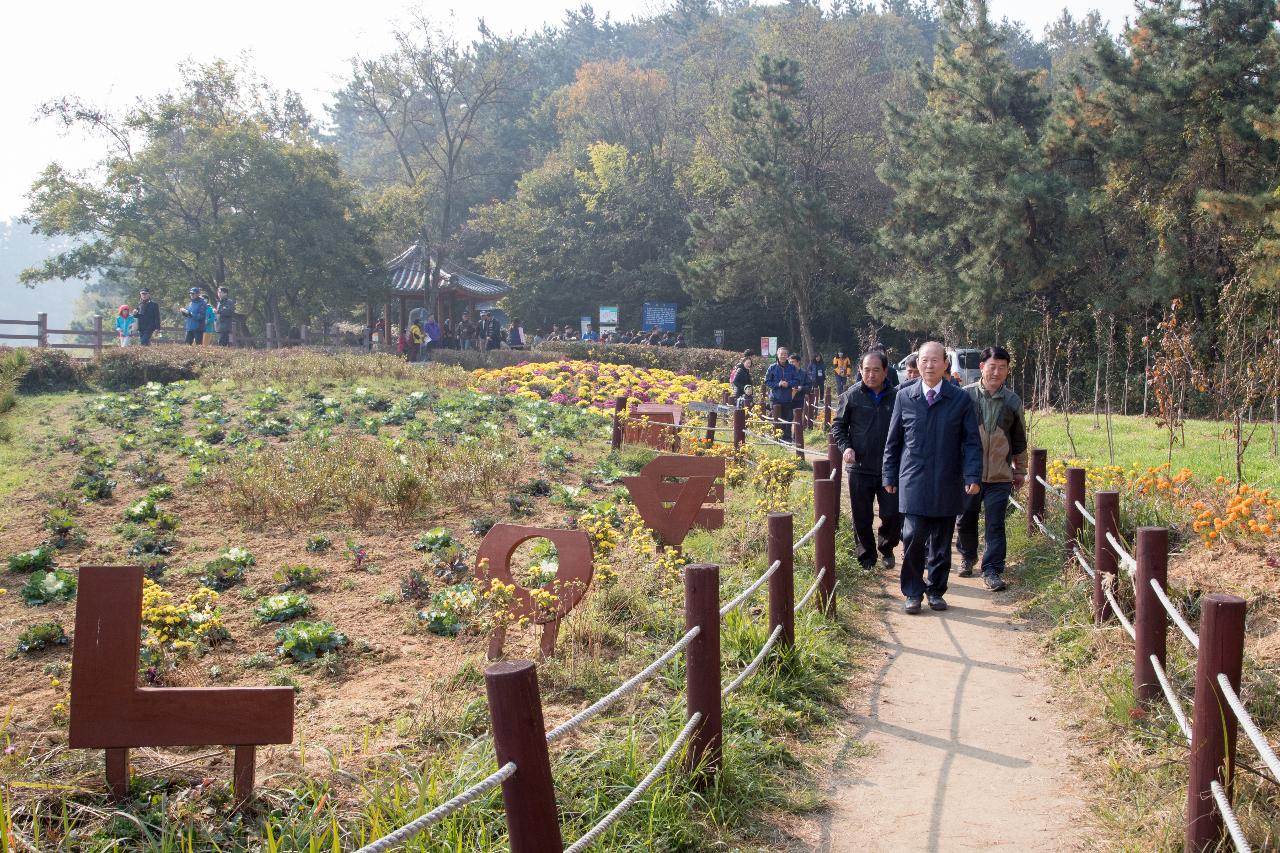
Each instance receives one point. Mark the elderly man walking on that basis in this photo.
(932, 459)
(1004, 467)
(859, 430)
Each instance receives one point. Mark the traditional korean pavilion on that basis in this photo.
(461, 290)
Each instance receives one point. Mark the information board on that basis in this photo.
(768, 346)
(659, 315)
(608, 315)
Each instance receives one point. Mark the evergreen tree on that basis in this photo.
(775, 239)
(972, 233)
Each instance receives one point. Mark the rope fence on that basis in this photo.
(1219, 659)
(522, 742)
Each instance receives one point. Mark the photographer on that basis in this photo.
(195, 317)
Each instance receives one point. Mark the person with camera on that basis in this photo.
(195, 314)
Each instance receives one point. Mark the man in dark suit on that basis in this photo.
(932, 459)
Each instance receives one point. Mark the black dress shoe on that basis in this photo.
(936, 603)
(887, 561)
(912, 605)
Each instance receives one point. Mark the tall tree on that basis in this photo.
(219, 183)
(425, 103)
(774, 237)
(972, 233)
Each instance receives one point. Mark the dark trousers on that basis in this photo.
(195, 338)
(224, 338)
(926, 545)
(840, 383)
(863, 490)
(145, 337)
(786, 411)
(994, 501)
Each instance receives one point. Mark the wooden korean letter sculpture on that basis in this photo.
(670, 492)
(110, 711)
(545, 605)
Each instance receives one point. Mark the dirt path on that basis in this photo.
(966, 752)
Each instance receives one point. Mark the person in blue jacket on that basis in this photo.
(195, 314)
(932, 459)
(784, 381)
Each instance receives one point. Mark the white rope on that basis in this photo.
(1046, 531)
(1191, 636)
(1088, 569)
(805, 599)
(800, 543)
(737, 600)
(755, 663)
(1049, 486)
(1229, 818)
(1014, 503)
(1119, 614)
(440, 812)
(1129, 563)
(1088, 516)
(787, 445)
(1175, 704)
(636, 793)
(1259, 742)
(624, 688)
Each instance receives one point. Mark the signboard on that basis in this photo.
(768, 346)
(719, 337)
(608, 315)
(659, 315)
(607, 330)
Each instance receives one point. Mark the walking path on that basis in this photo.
(966, 750)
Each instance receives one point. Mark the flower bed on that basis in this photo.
(592, 385)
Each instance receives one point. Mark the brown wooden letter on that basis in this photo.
(652, 493)
(573, 576)
(110, 711)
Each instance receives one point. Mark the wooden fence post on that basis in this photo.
(1106, 519)
(777, 416)
(519, 735)
(702, 666)
(42, 329)
(619, 409)
(824, 541)
(1150, 624)
(97, 336)
(797, 431)
(1214, 727)
(1074, 492)
(711, 427)
(739, 428)
(782, 584)
(1035, 489)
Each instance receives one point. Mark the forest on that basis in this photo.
(1103, 203)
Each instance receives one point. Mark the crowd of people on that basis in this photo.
(926, 454)
(200, 317)
(424, 335)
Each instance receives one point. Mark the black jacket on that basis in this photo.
(863, 424)
(740, 377)
(148, 316)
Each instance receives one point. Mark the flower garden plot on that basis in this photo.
(337, 467)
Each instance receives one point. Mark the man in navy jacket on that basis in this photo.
(784, 381)
(932, 459)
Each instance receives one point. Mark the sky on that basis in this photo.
(110, 54)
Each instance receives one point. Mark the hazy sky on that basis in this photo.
(111, 53)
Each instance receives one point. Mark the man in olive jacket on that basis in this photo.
(1004, 467)
(932, 459)
(860, 428)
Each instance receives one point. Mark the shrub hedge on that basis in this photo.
(703, 363)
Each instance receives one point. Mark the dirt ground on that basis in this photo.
(955, 743)
(398, 679)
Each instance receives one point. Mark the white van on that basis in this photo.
(964, 361)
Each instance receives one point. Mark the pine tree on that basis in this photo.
(776, 237)
(974, 215)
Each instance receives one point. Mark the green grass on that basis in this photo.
(25, 420)
(1209, 449)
